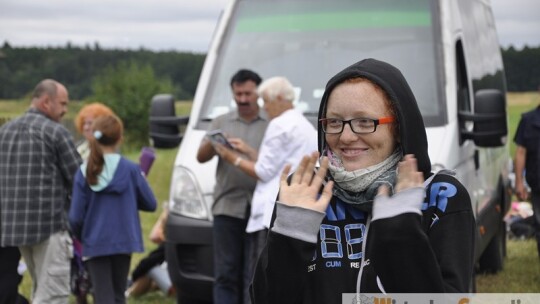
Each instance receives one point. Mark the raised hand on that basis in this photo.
(306, 182)
(408, 175)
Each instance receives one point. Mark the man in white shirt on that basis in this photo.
(287, 139)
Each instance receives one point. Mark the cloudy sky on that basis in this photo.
(182, 25)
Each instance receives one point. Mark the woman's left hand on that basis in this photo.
(408, 176)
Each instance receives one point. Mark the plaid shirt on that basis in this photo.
(38, 161)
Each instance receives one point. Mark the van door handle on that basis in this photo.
(476, 159)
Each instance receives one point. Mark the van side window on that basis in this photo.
(462, 85)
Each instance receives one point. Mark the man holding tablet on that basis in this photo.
(234, 189)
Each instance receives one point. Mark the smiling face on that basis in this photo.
(355, 99)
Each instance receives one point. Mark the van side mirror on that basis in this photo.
(489, 118)
(164, 124)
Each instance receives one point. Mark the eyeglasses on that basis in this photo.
(360, 125)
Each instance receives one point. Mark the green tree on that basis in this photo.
(521, 67)
(128, 89)
(76, 67)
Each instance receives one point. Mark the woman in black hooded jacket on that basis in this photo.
(413, 235)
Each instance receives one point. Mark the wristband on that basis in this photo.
(237, 161)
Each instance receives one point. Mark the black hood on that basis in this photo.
(411, 125)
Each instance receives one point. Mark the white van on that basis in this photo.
(447, 50)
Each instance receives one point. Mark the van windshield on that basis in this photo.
(308, 41)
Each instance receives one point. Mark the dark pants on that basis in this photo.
(523, 227)
(9, 277)
(153, 259)
(257, 241)
(535, 201)
(231, 269)
(109, 278)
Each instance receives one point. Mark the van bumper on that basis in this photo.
(189, 255)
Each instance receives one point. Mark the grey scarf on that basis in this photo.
(360, 187)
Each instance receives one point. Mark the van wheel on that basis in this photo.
(492, 260)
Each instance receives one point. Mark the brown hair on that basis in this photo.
(95, 109)
(107, 131)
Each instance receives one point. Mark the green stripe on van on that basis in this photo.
(332, 21)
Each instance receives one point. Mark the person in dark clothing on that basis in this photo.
(527, 160)
(335, 230)
(10, 277)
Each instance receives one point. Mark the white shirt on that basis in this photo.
(288, 138)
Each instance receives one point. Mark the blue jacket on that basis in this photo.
(106, 221)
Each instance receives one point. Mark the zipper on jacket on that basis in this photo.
(364, 261)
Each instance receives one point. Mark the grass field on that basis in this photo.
(521, 272)
(522, 269)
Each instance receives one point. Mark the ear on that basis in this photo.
(44, 103)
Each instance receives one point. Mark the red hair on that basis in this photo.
(95, 110)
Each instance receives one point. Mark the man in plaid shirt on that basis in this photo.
(38, 160)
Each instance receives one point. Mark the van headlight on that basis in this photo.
(186, 197)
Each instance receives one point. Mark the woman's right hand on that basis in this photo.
(303, 191)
